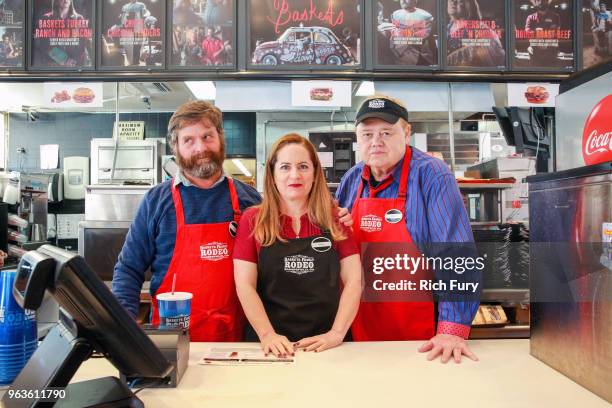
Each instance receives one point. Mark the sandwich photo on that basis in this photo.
(321, 94)
(536, 94)
(83, 95)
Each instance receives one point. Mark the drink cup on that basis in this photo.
(174, 309)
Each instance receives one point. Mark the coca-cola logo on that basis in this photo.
(598, 143)
(597, 134)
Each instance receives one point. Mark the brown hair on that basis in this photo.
(321, 207)
(191, 113)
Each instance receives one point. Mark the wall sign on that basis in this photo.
(321, 93)
(11, 33)
(532, 94)
(406, 33)
(475, 34)
(543, 37)
(203, 34)
(61, 95)
(596, 24)
(597, 134)
(62, 34)
(133, 130)
(305, 33)
(132, 33)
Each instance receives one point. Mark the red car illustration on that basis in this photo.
(303, 45)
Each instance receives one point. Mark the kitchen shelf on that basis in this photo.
(511, 331)
(505, 295)
(485, 186)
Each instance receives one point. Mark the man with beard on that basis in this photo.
(184, 230)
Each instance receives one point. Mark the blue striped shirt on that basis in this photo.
(434, 213)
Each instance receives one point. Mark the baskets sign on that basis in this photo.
(597, 134)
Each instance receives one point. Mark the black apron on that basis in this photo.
(298, 282)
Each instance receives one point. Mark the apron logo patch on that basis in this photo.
(321, 244)
(370, 223)
(299, 264)
(233, 228)
(393, 216)
(214, 251)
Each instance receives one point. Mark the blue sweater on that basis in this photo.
(150, 240)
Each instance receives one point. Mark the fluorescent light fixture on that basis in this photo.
(202, 89)
(242, 168)
(366, 88)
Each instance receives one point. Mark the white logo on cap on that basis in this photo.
(376, 104)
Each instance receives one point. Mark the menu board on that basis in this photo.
(11, 32)
(406, 33)
(596, 32)
(475, 34)
(305, 33)
(62, 34)
(543, 34)
(203, 33)
(132, 33)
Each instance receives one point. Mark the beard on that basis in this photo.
(203, 165)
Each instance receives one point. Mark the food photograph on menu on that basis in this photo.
(596, 32)
(62, 34)
(406, 32)
(543, 34)
(475, 34)
(132, 34)
(11, 31)
(305, 33)
(203, 33)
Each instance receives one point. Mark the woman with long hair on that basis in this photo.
(297, 269)
(63, 9)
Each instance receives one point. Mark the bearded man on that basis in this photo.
(184, 230)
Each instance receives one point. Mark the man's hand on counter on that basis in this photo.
(345, 217)
(447, 345)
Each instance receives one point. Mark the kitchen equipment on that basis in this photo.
(570, 274)
(55, 192)
(76, 177)
(126, 161)
(39, 233)
(11, 191)
(113, 203)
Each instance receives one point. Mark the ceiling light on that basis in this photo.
(242, 168)
(366, 88)
(202, 89)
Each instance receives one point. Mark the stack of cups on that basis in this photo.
(18, 339)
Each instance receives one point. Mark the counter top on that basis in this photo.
(370, 374)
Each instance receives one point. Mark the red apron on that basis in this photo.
(378, 321)
(202, 263)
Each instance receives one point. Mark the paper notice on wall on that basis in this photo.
(49, 156)
(326, 159)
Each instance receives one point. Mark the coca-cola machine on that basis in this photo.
(570, 215)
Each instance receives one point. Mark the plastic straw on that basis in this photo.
(173, 283)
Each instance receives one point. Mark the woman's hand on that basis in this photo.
(276, 344)
(321, 342)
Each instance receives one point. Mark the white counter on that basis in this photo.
(372, 375)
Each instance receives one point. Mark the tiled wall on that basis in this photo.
(73, 132)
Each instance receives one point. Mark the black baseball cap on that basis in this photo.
(381, 108)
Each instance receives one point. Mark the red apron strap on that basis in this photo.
(403, 183)
(178, 205)
(234, 197)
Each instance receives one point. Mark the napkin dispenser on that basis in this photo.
(174, 345)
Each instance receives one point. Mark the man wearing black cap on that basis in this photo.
(402, 201)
